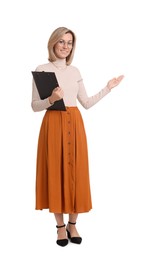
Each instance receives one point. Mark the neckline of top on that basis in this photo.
(60, 64)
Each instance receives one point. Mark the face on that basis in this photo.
(64, 46)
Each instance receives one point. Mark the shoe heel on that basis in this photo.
(68, 234)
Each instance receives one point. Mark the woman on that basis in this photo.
(62, 174)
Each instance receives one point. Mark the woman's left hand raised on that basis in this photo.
(114, 82)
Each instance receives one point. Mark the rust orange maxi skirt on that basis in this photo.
(62, 172)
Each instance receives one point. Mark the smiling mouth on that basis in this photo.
(63, 51)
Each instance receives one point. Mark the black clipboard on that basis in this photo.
(45, 83)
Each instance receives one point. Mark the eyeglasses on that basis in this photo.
(63, 43)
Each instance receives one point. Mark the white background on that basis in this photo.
(113, 38)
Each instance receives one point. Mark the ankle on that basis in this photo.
(71, 222)
(60, 225)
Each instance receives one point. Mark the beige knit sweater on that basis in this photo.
(71, 82)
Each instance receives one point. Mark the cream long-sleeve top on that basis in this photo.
(70, 80)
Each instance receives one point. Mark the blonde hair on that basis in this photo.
(54, 38)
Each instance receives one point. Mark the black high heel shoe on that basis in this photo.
(62, 242)
(75, 240)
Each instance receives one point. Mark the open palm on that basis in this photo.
(114, 82)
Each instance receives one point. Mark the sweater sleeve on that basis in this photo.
(86, 101)
(38, 104)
